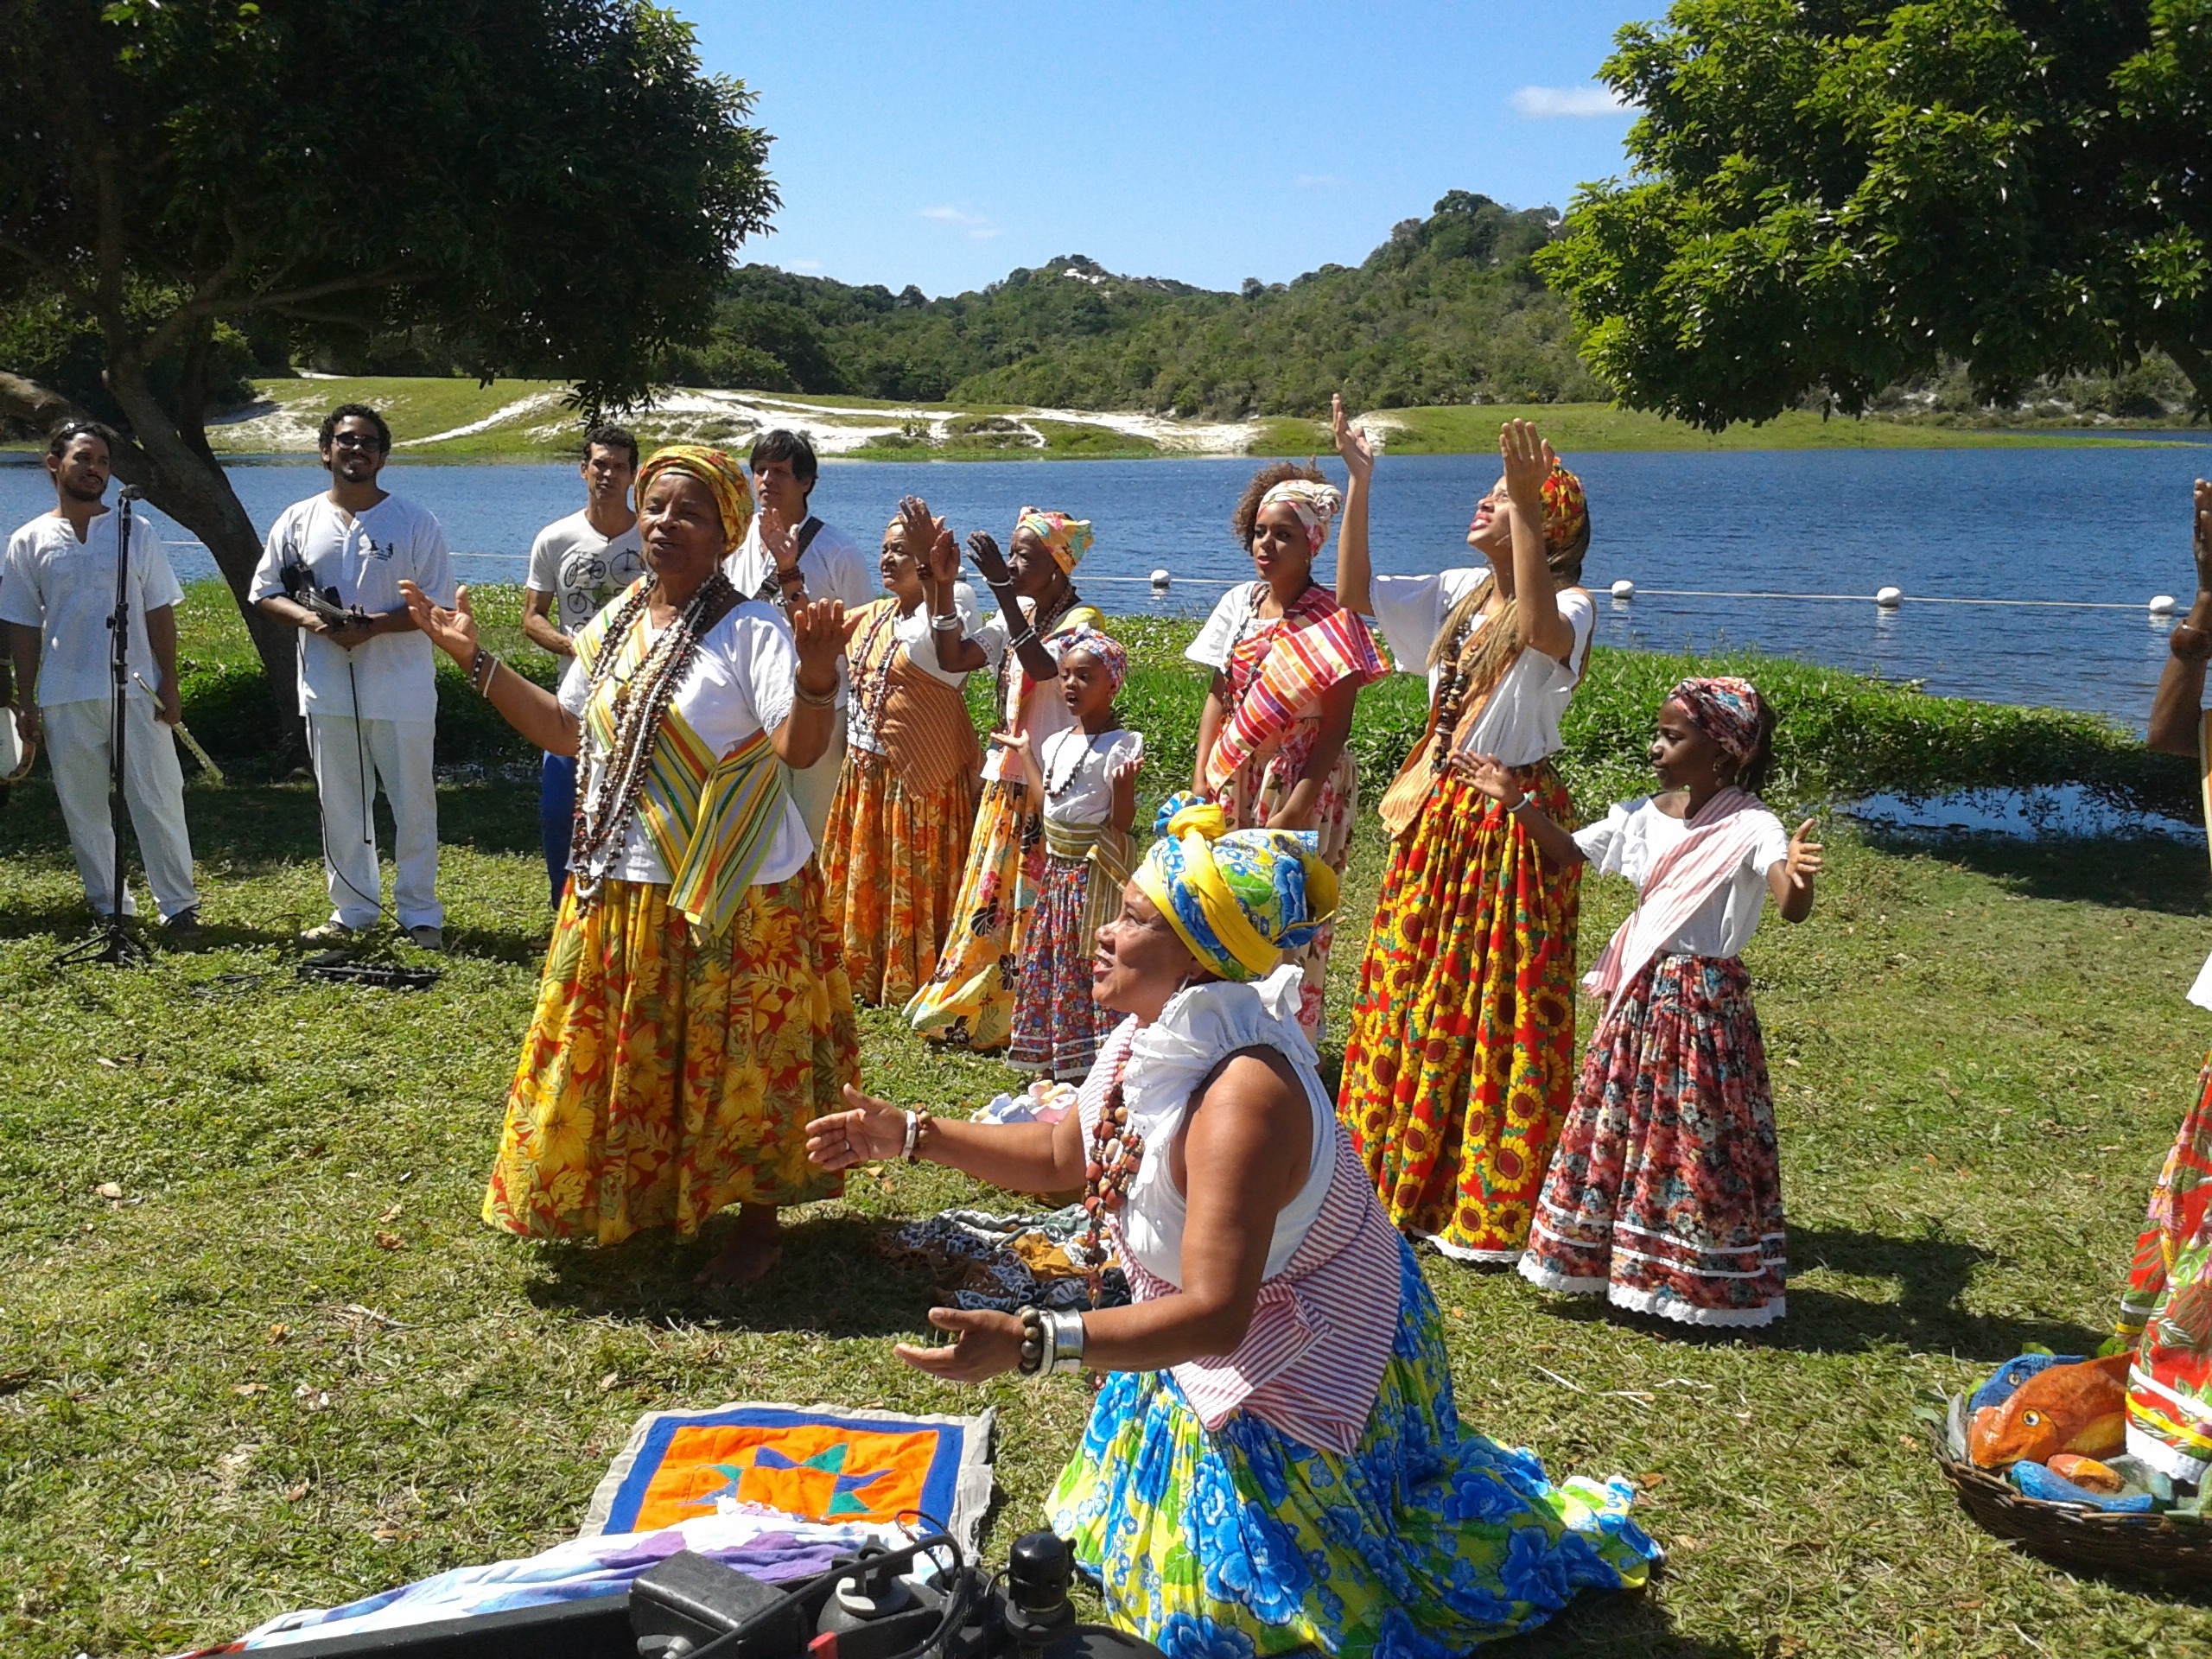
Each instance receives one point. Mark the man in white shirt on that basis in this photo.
(577, 565)
(332, 568)
(788, 555)
(57, 597)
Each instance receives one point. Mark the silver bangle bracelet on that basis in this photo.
(949, 622)
(826, 700)
(1064, 1338)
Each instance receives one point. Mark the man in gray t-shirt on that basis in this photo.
(577, 566)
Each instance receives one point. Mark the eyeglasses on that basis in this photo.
(355, 441)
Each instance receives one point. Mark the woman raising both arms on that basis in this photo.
(693, 1014)
(1459, 1061)
(1274, 1461)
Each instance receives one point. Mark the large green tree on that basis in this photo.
(1828, 196)
(549, 187)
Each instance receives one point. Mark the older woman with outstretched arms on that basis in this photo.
(1275, 1459)
(693, 1014)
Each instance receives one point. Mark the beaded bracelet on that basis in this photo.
(1036, 1341)
(482, 671)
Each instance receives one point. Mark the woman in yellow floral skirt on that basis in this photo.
(1459, 1061)
(693, 1014)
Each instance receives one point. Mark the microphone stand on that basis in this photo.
(113, 945)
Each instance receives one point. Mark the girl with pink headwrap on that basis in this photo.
(1665, 1196)
(1288, 662)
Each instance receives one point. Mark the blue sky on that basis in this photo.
(946, 143)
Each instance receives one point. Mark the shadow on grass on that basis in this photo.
(1930, 1274)
(2148, 873)
(1633, 1622)
(832, 1281)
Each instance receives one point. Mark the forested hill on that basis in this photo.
(1445, 311)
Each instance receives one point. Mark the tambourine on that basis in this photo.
(16, 755)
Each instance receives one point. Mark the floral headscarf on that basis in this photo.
(1567, 509)
(1069, 538)
(719, 472)
(1728, 710)
(1239, 900)
(1315, 506)
(1108, 651)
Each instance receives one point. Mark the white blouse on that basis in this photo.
(912, 634)
(743, 680)
(1520, 724)
(1169, 1059)
(1632, 837)
(1087, 764)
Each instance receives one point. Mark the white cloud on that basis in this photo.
(1568, 102)
(979, 228)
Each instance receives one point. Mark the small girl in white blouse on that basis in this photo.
(1086, 778)
(1665, 1195)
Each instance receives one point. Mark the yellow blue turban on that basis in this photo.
(1068, 538)
(1237, 898)
(720, 472)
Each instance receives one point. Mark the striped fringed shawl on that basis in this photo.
(1316, 644)
(710, 818)
(1312, 1358)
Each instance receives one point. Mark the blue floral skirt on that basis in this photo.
(1424, 1542)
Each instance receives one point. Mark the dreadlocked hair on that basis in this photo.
(1470, 664)
(604, 809)
(1243, 523)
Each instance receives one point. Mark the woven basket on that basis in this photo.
(2073, 1534)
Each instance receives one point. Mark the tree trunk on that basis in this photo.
(172, 462)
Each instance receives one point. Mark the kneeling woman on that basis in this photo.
(694, 1013)
(1274, 1461)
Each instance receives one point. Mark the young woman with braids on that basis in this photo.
(694, 1013)
(1288, 662)
(969, 1001)
(1459, 1061)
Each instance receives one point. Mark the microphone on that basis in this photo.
(130, 492)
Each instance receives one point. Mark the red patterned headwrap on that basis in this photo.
(1728, 710)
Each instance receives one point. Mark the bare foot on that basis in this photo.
(754, 1249)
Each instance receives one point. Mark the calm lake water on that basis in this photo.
(2085, 526)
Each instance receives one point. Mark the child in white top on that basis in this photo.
(1086, 778)
(1665, 1195)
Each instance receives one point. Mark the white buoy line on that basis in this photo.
(1891, 598)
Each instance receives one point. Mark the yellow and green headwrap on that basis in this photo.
(722, 472)
(1069, 538)
(1238, 899)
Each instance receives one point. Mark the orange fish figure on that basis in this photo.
(2080, 1409)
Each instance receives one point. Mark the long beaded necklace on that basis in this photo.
(1451, 686)
(875, 690)
(1076, 741)
(641, 703)
(1116, 1152)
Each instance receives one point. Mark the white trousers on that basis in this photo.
(814, 788)
(153, 788)
(352, 757)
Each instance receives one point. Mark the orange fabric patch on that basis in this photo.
(811, 1472)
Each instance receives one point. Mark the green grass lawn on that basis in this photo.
(289, 1365)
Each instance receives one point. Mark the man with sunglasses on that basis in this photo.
(332, 568)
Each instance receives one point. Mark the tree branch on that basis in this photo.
(204, 305)
(44, 408)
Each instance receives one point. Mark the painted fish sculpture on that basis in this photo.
(2080, 1409)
